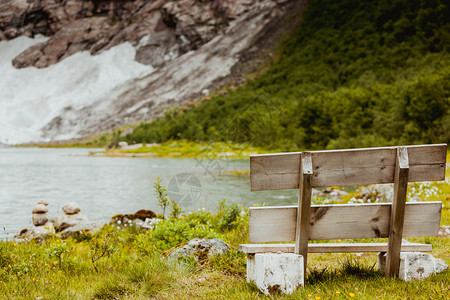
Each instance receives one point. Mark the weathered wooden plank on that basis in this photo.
(397, 212)
(278, 223)
(304, 203)
(346, 167)
(331, 247)
(279, 170)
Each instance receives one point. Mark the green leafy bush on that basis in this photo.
(170, 233)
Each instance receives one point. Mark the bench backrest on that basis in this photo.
(346, 167)
(304, 170)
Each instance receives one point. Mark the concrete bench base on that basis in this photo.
(276, 272)
(414, 265)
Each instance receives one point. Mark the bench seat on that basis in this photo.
(331, 247)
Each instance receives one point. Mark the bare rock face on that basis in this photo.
(78, 35)
(160, 30)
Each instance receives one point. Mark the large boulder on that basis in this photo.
(201, 249)
(44, 230)
(67, 221)
(36, 233)
(77, 230)
(126, 219)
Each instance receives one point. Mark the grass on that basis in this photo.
(188, 149)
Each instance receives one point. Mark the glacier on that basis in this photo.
(30, 98)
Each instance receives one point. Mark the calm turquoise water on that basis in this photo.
(105, 186)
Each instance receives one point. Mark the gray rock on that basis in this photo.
(44, 230)
(39, 219)
(414, 265)
(38, 232)
(80, 229)
(138, 223)
(40, 209)
(71, 208)
(67, 221)
(415, 198)
(201, 249)
(444, 230)
(123, 144)
(43, 202)
(376, 193)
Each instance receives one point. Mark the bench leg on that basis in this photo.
(397, 213)
(251, 268)
(276, 273)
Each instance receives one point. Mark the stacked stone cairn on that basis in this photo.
(42, 226)
(73, 222)
(40, 219)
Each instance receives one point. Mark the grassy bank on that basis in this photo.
(124, 262)
(186, 149)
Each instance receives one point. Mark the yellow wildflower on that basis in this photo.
(352, 295)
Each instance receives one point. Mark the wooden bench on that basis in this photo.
(305, 170)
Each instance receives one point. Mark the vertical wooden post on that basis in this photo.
(304, 206)
(397, 212)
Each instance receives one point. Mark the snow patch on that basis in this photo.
(30, 98)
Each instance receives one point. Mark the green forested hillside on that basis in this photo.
(354, 74)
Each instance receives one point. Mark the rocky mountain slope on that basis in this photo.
(180, 48)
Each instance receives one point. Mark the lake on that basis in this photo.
(105, 186)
